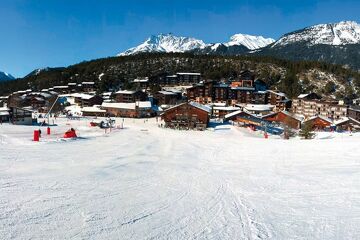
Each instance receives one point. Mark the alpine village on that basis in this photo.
(193, 90)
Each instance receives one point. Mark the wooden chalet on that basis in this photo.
(21, 116)
(88, 86)
(347, 124)
(221, 111)
(141, 83)
(95, 111)
(201, 93)
(166, 98)
(86, 100)
(127, 96)
(188, 78)
(244, 118)
(188, 115)
(354, 112)
(319, 122)
(133, 110)
(286, 118)
(278, 99)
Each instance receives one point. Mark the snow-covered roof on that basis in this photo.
(167, 92)
(341, 120)
(200, 106)
(60, 87)
(125, 92)
(321, 117)
(93, 109)
(4, 109)
(88, 83)
(243, 88)
(137, 80)
(219, 104)
(185, 73)
(194, 104)
(229, 108)
(82, 95)
(141, 104)
(303, 95)
(229, 115)
(294, 115)
(258, 107)
(277, 93)
(71, 84)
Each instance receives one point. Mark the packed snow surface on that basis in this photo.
(147, 182)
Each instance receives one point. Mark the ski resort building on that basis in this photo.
(189, 115)
(319, 122)
(166, 98)
(21, 116)
(311, 105)
(128, 96)
(347, 124)
(278, 99)
(284, 117)
(95, 111)
(354, 112)
(86, 100)
(88, 86)
(133, 110)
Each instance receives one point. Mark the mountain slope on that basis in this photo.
(249, 41)
(165, 43)
(6, 76)
(118, 72)
(334, 34)
(239, 43)
(336, 43)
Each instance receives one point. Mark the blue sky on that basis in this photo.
(41, 33)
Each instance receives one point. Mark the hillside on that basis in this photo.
(290, 77)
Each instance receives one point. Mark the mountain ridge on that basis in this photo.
(6, 76)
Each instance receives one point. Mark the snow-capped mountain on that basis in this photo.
(249, 41)
(337, 43)
(342, 33)
(171, 43)
(165, 43)
(5, 76)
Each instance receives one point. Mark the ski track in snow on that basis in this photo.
(166, 184)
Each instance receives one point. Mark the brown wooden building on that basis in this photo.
(187, 116)
(166, 98)
(286, 118)
(348, 124)
(127, 96)
(278, 99)
(319, 122)
(86, 100)
(354, 112)
(132, 110)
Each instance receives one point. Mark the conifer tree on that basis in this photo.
(307, 131)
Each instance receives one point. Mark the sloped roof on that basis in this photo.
(321, 117)
(141, 104)
(294, 115)
(200, 106)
